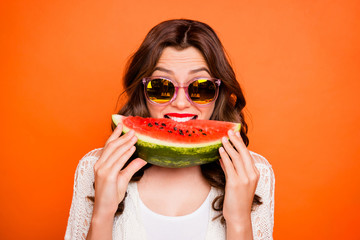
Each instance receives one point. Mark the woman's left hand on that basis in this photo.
(241, 179)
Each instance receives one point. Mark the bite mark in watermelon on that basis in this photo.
(167, 143)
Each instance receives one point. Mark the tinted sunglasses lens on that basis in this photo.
(160, 90)
(202, 91)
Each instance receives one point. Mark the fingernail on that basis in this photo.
(238, 134)
(221, 149)
(231, 132)
(224, 139)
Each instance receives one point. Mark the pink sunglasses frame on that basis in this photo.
(216, 81)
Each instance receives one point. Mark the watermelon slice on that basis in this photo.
(167, 143)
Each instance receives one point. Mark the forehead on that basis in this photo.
(172, 57)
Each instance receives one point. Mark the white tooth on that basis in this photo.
(184, 119)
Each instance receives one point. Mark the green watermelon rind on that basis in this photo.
(177, 157)
(174, 155)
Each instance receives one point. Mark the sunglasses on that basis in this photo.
(200, 91)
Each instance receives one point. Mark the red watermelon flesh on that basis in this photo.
(193, 131)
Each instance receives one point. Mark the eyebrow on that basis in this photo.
(191, 72)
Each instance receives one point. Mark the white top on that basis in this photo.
(130, 225)
(159, 227)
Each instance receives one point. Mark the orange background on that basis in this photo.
(298, 62)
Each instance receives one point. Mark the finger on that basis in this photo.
(226, 163)
(222, 164)
(244, 152)
(118, 152)
(235, 157)
(111, 146)
(134, 166)
(116, 133)
(115, 169)
(116, 136)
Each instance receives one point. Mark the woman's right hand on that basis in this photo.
(110, 181)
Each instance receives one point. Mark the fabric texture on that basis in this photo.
(129, 226)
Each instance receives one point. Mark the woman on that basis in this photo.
(134, 200)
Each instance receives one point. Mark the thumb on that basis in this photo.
(134, 166)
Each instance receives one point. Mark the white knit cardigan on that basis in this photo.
(128, 225)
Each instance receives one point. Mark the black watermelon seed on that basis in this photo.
(156, 124)
(150, 125)
(170, 131)
(189, 135)
(187, 131)
(163, 124)
(193, 131)
(175, 128)
(161, 128)
(200, 130)
(204, 134)
(181, 133)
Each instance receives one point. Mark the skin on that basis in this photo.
(185, 189)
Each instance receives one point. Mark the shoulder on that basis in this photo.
(91, 156)
(258, 159)
(84, 174)
(86, 163)
(267, 176)
(93, 153)
(262, 164)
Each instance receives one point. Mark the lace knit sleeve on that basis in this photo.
(263, 215)
(81, 207)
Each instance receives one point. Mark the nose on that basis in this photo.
(181, 101)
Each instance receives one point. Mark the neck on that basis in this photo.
(170, 176)
(173, 192)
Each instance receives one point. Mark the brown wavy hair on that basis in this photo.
(181, 34)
